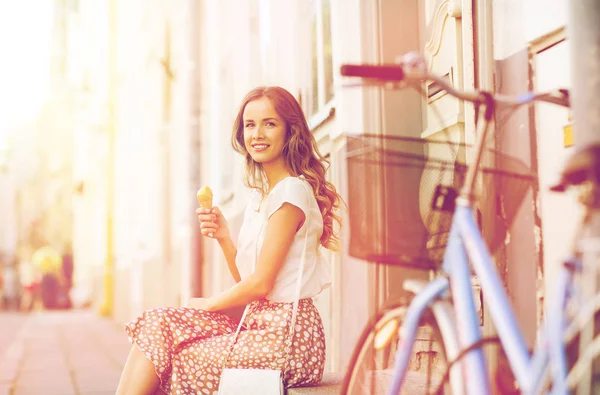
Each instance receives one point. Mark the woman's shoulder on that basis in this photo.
(294, 185)
(294, 190)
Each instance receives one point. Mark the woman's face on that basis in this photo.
(264, 131)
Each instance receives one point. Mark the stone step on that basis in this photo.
(414, 383)
(331, 384)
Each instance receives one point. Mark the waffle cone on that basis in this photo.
(205, 203)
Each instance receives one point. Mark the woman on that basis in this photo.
(184, 350)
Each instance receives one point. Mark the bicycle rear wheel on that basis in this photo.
(577, 364)
(371, 368)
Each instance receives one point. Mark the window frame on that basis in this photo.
(325, 108)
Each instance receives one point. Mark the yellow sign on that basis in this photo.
(568, 135)
(568, 132)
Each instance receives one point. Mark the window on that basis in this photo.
(321, 89)
(296, 51)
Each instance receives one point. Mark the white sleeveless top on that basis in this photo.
(316, 276)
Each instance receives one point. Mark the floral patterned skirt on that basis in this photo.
(189, 347)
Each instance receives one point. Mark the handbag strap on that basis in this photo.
(296, 299)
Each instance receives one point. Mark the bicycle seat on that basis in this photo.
(582, 166)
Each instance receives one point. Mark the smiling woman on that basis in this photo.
(277, 264)
(25, 45)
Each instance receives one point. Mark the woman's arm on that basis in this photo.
(230, 252)
(280, 232)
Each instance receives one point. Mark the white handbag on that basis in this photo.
(262, 381)
(251, 382)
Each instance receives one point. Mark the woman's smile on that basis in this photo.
(260, 147)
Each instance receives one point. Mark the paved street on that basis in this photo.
(60, 353)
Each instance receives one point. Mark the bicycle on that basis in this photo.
(432, 304)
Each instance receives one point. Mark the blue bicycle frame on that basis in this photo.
(467, 245)
(466, 248)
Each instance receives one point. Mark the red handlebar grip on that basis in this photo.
(380, 72)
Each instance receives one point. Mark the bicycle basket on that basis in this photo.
(391, 185)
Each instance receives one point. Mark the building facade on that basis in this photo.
(504, 46)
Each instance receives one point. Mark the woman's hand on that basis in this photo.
(212, 223)
(200, 304)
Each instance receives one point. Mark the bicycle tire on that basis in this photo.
(362, 360)
(592, 360)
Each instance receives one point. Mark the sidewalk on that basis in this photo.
(61, 353)
(10, 326)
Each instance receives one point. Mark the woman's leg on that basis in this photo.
(138, 375)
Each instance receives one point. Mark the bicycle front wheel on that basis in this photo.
(371, 368)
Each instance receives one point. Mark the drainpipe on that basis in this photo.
(584, 39)
(196, 253)
(107, 307)
(483, 44)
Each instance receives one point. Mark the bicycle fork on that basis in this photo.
(409, 328)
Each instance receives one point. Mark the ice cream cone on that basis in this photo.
(205, 197)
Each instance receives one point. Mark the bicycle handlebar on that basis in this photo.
(411, 68)
(382, 72)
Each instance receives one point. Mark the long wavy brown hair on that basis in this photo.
(301, 153)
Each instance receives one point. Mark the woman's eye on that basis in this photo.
(248, 125)
(270, 124)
